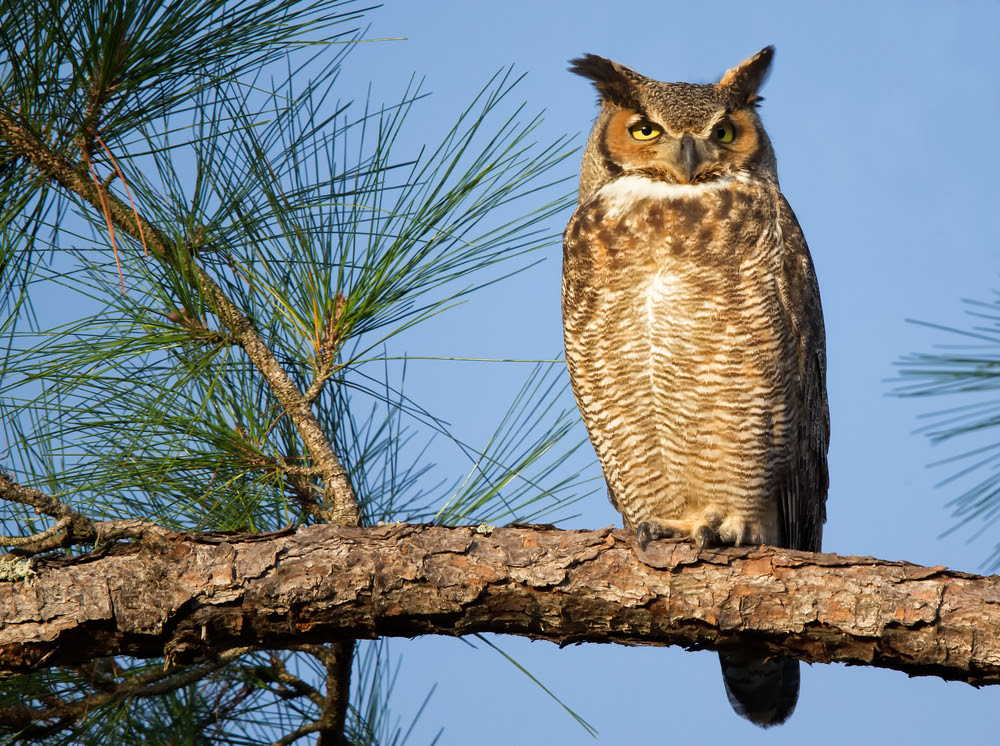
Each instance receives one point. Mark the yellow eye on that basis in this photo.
(724, 131)
(645, 131)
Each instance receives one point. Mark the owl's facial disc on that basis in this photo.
(637, 143)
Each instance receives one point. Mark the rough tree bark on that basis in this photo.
(190, 596)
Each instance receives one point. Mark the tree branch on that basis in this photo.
(339, 503)
(73, 527)
(197, 596)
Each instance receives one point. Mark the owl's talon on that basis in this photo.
(648, 531)
(704, 536)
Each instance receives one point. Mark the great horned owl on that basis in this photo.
(694, 333)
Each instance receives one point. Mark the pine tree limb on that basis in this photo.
(197, 596)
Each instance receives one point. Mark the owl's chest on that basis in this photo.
(697, 256)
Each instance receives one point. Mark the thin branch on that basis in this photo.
(337, 660)
(339, 503)
(42, 503)
(22, 541)
(293, 686)
(73, 527)
(296, 734)
(146, 684)
(300, 471)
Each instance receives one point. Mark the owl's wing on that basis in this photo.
(804, 487)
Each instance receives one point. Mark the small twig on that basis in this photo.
(296, 734)
(299, 688)
(21, 541)
(165, 682)
(301, 471)
(42, 503)
(79, 528)
(316, 387)
(329, 338)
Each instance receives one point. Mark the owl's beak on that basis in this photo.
(688, 157)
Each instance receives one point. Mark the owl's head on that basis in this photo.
(680, 133)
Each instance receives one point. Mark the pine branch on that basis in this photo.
(337, 658)
(204, 594)
(72, 527)
(339, 503)
(146, 684)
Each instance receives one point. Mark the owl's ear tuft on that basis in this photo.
(615, 83)
(742, 82)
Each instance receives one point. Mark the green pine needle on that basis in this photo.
(968, 370)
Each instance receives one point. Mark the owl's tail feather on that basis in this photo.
(762, 691)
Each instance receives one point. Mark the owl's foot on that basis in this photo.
(648, 531)
(702, 531)
(654, 530)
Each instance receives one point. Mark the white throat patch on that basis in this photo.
(621, 194)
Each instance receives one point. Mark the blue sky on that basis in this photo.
(884, 119)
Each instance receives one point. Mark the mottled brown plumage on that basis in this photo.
(694, 333)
